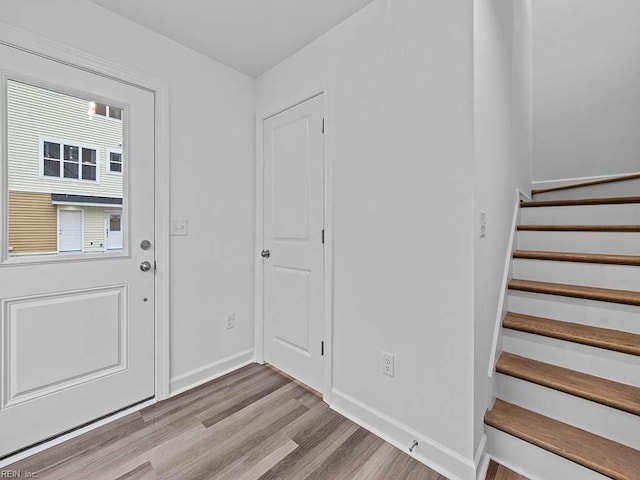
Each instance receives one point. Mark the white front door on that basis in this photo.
(70, 230)
(293, 223)
(113, 221)
(76, 330)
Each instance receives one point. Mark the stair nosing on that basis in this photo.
(572, 186)
(579, 335)
(578, 228)
(498, 417)
(625, 297)
(580, 202)
(510, 364)
(576, 257)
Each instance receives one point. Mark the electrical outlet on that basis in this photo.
(388, 363)
(230, 319)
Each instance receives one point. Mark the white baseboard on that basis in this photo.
(541, 184)
(429, 452)
(205, 374)
(483, 464)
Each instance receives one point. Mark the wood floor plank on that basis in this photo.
(143, 472)
(349, 457)
(500, 472)
(250, 424)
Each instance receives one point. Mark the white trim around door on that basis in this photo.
(49, 49)
(261, 116)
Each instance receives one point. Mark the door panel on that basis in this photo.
(114, 231)
(76, 329)
(293, 222)
(70, 230)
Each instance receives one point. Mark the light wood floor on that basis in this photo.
(251, 424)
(500, 472)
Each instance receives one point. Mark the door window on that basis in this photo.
(64, 152)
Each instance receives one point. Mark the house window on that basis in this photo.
(114, 161)
(68, 161)
(107, 111)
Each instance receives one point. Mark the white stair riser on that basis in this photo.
(615, 366)
(621, 427)
(624, 214)
(621, 243)
(534, 462)
(627, 188)
(621, 277)
(613, 316)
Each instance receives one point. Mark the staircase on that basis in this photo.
(568, 376)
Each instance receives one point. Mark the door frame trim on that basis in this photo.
(14, 37)
(264, 114)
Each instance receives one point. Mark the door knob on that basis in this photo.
(145, 266)
(265, 253)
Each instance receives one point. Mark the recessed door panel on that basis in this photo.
(291, 308)
(51, 326)
(290, 176)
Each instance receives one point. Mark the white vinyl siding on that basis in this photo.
(33, 113)
(94, 229)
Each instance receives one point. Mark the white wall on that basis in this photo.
(586, 88)
(211, 108)
(494, 178)
(502, 163)
(522, 93)
(401, 79)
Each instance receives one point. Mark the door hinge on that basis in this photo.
(323, 125)
(323, 235)
(322, 348)
(155, 265)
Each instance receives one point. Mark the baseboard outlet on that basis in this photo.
(73, 434)
(205, 374)
(429, 452)
(542, 184)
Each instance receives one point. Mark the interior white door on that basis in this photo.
(113, 222)
(70, 230)
(76, 330)
(293, 224)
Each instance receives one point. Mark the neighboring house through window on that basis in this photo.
(107, 111)
(69, 161)
(114, 161)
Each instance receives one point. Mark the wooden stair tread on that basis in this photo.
(579, 202)
(579, 228)
(626, 297)
(609, 259)
(596, 389)
(623, 342)
(602, 455)
(586, 184)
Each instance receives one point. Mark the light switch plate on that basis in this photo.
(179, 227)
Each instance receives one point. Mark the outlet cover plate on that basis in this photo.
(388, 364)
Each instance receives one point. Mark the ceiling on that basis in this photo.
(248, 35)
